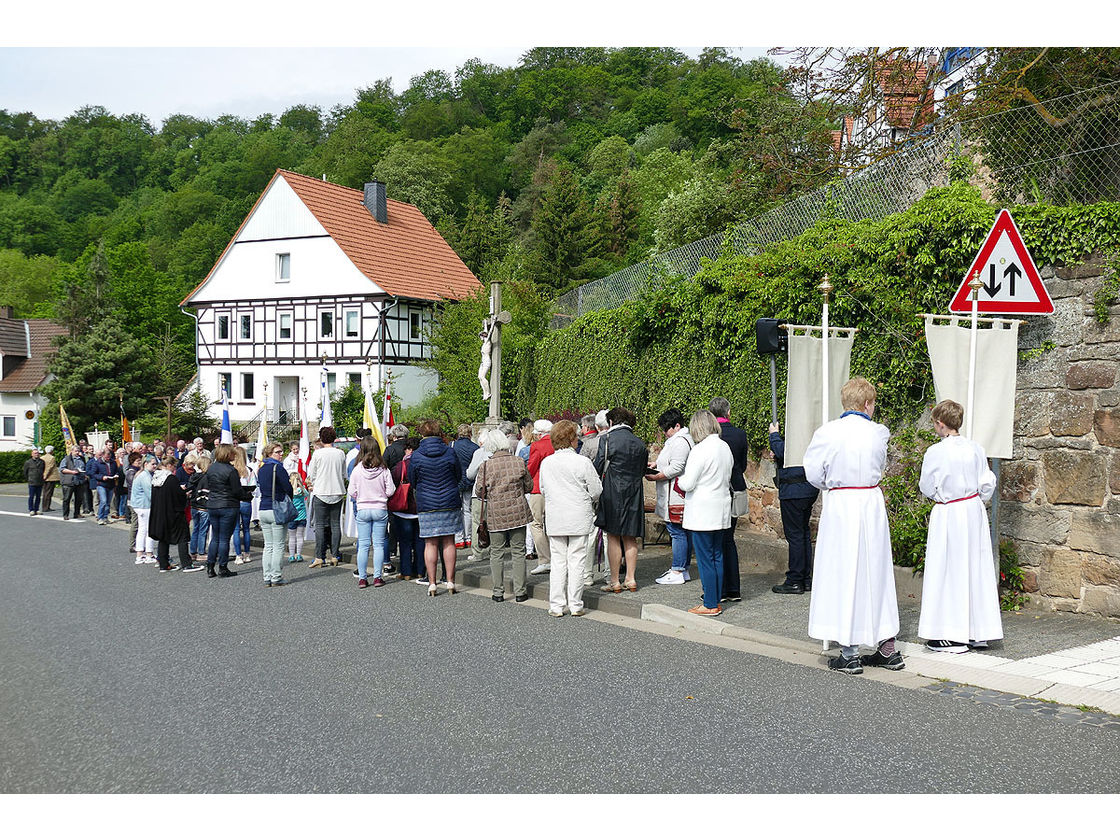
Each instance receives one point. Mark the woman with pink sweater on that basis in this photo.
(371, 485)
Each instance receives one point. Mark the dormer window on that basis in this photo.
(283, 268)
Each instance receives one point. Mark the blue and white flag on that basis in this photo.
(325, 417)
(227, 430)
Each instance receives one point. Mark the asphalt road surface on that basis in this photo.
(114, 678)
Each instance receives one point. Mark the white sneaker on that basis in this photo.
(150, 560)
(541, 569)
(672, 578)
(139, 561)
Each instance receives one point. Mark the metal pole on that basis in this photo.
(825, 288)
(773, 392)
(995, 517)
(496, 350)
(975, 285)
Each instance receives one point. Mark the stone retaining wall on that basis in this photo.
(1060, 491)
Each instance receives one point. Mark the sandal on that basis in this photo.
(631, 585)
(702, 610)
(611, 587)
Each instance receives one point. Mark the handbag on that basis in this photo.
(483, 528)
(398, 502)
(283, 511)
(740, 502)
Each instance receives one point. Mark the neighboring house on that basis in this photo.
(317, 268)
(957, 74)
(902, 106)
(26, 347)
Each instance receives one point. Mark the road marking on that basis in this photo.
(40, 516)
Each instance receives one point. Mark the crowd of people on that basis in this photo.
(570, 498)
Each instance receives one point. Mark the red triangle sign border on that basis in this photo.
(962, 303)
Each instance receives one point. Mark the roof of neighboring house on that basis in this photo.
(13, 337)
(843, 136)
(905, 90)
(29, 374)
(407, 256)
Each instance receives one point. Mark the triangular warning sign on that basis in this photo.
(1012, 285)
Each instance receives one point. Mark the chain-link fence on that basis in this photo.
(1062, 151)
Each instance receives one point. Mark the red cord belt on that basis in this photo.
(869, 487)
(961, 499)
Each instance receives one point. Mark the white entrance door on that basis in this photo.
(287, 401)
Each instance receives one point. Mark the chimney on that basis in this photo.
(374, 200)
(5, 312)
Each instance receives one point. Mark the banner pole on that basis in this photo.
(825, 287)
(975, 285)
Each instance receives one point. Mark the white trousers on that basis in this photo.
(565, 579)
(144, 543)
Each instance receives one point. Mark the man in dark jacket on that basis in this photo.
(33, 470)
(73, 478)
(796, 497)
(464, 449)
(102, 472)
(736, 439)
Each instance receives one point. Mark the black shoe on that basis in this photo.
(356, 573)
(65, 518)
(877, 660)
(521, 598)
(223, 571)
(788, 589)
(731, 596)
(845, 665)
(210, 571)
(946, 646)
(498, 598)
(268, 583)
(807, 586)
(279, 583)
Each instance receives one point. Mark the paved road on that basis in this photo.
(114, 678)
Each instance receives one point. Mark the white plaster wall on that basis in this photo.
(280, 213)
(16, 405)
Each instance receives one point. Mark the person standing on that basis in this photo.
(435, 475)
(200, 517)
(796, 497)
(223, 504)
(853, 601)
(464, 449)
(570, 488)
(141, 501)
(103, 475)
(242, 534)
(621, 461)
(736, 440)
(73, 477)
(406, 520)
(33, 470)
(135, 460)
(707, 506)
(489, 444)
(50, 479)
(297, 528)
(274, 486)
(371, 485)
(327, 479)
(167, 522)
(670, 504)
(960, 598)
(539, 449)
(503, 482)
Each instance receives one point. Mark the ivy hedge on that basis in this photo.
(691, 340)
(11, 466)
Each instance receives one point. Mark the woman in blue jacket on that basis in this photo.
(435, 473)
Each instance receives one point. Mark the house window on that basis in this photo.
(10, 426)
(246, 386)
(351, 323)
(283, 268)
(415, 324)
(332, 383)
(223, 328)
(226, 382)
(326, 324)
(285, 325)
(246, 326)
(355, 379)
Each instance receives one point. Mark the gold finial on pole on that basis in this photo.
(825, 287)
(976, 284)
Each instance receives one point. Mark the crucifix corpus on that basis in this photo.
(490, 370)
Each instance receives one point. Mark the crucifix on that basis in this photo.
(490, 370)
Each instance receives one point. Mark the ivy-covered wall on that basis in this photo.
(694, 339)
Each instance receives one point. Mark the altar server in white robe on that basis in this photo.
(960, 600)
(853, 600)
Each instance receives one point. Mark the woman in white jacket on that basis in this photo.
(706, 484)
(570, 487)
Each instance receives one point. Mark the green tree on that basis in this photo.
(415, 172)
(566, 231)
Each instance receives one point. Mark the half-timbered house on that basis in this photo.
(320, 270)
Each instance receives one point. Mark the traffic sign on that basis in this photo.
(1012, 285)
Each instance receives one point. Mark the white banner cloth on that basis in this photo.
(803, 389)
(997, 358)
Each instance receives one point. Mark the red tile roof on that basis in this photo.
(406, 257)
(29, 374)
(905, 91)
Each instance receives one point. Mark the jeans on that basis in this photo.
(103, 503)
(373, 526)
(327, 516)
(709, 560)
(275, 541)
(464, 532)
(34, 496)
(222, 523)
(241, 541)
(682, 545)
(411, 546)
(201, 521)
(122, 501)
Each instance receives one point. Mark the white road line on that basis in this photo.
(44, 518)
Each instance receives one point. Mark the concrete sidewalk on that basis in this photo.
(1066, 658)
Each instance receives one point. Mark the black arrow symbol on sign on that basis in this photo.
(1011, 272)
(991, 287)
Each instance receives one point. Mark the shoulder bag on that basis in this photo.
(483, 528)
(398, 502)
(283, 511)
